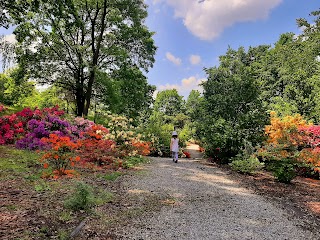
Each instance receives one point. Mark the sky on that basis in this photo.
(192, 34)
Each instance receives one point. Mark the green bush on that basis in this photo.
(285, 172)
(248, 166)
(81, 199)
(84, 198)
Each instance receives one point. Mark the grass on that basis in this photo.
(62, 202)
(131, 162)
(13, 162)
(112, 176)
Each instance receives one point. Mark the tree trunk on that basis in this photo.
(89, 93)
(80, 102)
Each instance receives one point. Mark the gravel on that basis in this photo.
(201, 202)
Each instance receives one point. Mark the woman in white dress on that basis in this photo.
(174, 146)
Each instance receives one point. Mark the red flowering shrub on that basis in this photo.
(95, 148)
(15, 126)
(101, 152)
(61, 156)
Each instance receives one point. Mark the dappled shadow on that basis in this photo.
(204, 203)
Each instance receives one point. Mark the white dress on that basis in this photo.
(175, 145)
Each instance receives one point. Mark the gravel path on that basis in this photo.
(202, 203)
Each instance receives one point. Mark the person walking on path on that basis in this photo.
(174, 146)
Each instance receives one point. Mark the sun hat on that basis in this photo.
(174, 133)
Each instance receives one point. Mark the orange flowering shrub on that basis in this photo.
(96, 149)
(142, 148)
(292, 138)
(286, 130)
(61, 155)
(101, 152)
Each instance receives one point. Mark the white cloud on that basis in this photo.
(209, 18)
(172, 58)
(195, 59)
(186, 85)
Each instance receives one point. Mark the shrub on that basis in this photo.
(84, 198)
(112, 176)
(61, 155)
(284, 172)
(248, 166)
(81, 199)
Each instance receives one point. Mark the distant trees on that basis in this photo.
(14, 87)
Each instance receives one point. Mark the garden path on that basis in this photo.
(201, 202)
(193, 149)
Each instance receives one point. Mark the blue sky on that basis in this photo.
(186, 28)
(192, 35)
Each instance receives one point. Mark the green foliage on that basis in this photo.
(84, 198)
(233, 108)
(14, 87)
(81, 199)
(169, 103)
(42, 186)
(63, 33)
(248, 166)
(126, 92)
(284, 171)
(131, 162)
(112, 176)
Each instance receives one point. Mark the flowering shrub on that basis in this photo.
(285, 131)
(40, 127)
(95, 148)
(101, 152)
(127, 137)
(292, 141)
(16, 126)
(142, 148)
(47, 130)
(61, 155)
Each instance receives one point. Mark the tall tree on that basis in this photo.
(234, 111)
(68, 42)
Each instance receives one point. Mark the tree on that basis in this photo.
(69, 42)
(128, 92)
(169, 103)
(15, 10)
(14, 87)
(196, 112)
(234, 111)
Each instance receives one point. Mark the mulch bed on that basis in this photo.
(301, 198)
